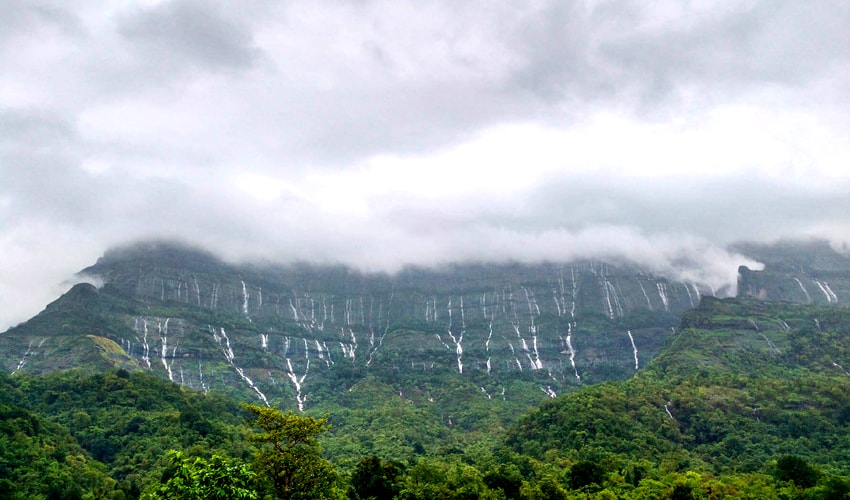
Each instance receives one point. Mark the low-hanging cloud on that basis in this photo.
(386, 133)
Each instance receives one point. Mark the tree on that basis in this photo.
(793, 468)
(585, 473)
(198, 479)
(836, 488)
(374, 479)
(682, 491)
(289, 456)
(506, 478)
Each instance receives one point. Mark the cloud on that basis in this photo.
(380, 133)
(186, 34)
(20, 17)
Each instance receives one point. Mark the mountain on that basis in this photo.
(428, 366)
(300, 334)
(806, 273)
(743, 383)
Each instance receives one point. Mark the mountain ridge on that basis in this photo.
(294, 334)
(169, 306)
(434, 366)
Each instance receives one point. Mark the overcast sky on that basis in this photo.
(379, 133)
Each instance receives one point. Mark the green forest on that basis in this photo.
(748, 399)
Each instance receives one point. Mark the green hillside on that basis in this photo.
(742, 384)
(295, 335)
(749, 400)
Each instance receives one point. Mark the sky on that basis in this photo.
(385, 133)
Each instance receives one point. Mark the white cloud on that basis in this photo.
(379, 133)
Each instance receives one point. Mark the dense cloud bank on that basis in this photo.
(385, 133)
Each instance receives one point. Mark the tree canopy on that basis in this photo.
(289, 457)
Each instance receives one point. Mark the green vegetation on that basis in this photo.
(216, 479)
(39, 459)
(291, 463)
(498, 331)
(749, 400)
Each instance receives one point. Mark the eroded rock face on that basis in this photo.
(301, 334)
(806, 273)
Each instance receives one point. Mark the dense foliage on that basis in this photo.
(289, 456)
(40, 459)
(216, 479)
(749, 400)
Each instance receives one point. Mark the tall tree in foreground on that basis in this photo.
(289, 456)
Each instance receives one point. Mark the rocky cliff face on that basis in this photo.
(806, 273)
(163, 273)
(301, 334)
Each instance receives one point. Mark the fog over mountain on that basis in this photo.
(385, 133)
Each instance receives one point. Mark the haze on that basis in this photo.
(385, 133)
